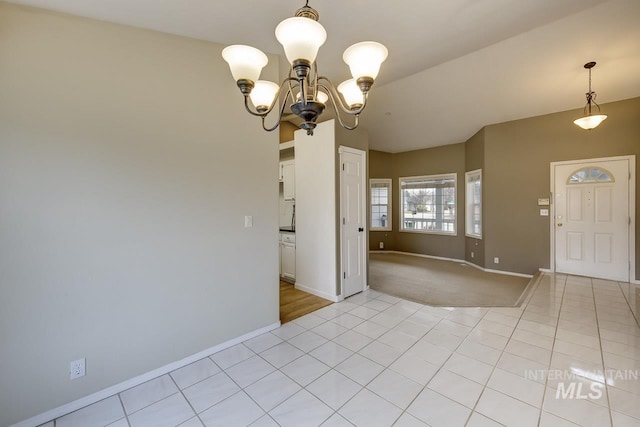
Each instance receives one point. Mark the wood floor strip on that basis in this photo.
(295, 303)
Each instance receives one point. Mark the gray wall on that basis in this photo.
(127, 164)
(514, 157)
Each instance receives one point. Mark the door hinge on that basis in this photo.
(344, 275)
(343, 221)
(343, 166)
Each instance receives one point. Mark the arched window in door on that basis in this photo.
(590, 175)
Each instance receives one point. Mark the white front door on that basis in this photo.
(353, 221)
(592, 218)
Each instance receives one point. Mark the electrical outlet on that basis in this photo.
(77, 369)
(472, 254)
(381, 245)
(496, 260)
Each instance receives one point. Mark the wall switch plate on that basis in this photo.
(381, 245)
(248, 221)
(77, 369)
(544, 212)
(496, 260)
(472, 254)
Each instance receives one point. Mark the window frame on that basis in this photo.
(401, 228)
(469, 204)
(388, 182)
(589, 169)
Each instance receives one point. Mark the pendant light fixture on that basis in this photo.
(301, 38)
(590, 121)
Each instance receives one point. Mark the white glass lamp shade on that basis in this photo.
(301, 38)
(351, 93)
(590, 122)
(246, 62)
(322, 97)
(364, 59)
(263, 93)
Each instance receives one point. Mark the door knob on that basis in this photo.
(559, 224)
(360, 229)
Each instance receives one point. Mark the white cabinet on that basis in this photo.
(288, 177)
(288, 256)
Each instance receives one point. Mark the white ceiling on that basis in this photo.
(454, 66)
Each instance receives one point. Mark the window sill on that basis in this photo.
(438, 233)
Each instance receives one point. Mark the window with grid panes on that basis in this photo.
(473, 197)
(380, 191)
(428, 204)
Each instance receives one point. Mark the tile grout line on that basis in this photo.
(242, 389)
(485, 386)
(555, 334)
(439, 368)
(126, 416)
(363, 387)
(363, 356)
(403, 411)
(604, 367)
(629, 305)
(308, 353)
(185, 397)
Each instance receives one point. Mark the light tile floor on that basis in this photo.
(569, 356)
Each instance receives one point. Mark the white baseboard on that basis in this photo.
(545, 270)
(115, 389)
(487, 270)
(508, 273)
(418, 255)
(313, 291)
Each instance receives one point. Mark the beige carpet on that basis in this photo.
(443, 283)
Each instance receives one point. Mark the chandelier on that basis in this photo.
(590, 121)
(301, 38)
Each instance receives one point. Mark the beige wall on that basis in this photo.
(286, 130)
(127, 164)
(474, 159)
(380, 166)
(517, 157)
(514, 157)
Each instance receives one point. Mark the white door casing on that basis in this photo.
(353, 221)
(592, 223)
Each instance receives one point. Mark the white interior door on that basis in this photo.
(352, 210)
(592, 218)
